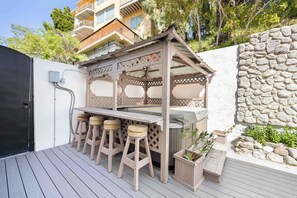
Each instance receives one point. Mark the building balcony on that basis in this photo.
(128, 7)
(85, 11)
(83, 29)
(113, 31)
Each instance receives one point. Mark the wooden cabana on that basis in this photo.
(163, 60)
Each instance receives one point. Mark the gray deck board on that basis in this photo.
(64, 172)
(47, 185)
(85, 177)
(103, 175)
(273, 172)
(60, 182)
(224, 190)
(78, 185)
(156, 185)
(264, 175)
(31, 185)
(3, 181)
(260, 180)
(144, 188)
(266, 190)
(14, 180)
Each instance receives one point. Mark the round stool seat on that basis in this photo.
(137, 130)
(96, 120)
(83, 117)
(112, 124)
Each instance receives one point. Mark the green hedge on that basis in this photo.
(263, 134)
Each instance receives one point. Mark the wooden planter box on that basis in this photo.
(222, 136)
(187, 172)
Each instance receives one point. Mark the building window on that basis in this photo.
(105, 15)
(135, 22)
(100, 1)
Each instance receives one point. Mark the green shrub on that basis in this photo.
(268, 133)
(272, 135)
(257, 133)
(289, 137)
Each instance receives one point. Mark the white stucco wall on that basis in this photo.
(51, 118)
(222, 88)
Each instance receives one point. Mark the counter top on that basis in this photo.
(140, 117)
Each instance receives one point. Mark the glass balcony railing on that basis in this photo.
(129, 6)
(114, 26)
(123, 2)
(84, 7)
(87, 23)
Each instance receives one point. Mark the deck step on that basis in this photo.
(214, 165)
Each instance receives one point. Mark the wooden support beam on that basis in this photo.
(115, 93)
(115, 79)
(206, 92)
(188, 60)
(165, 110)
(88, 86)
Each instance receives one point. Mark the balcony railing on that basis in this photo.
(128, 7)
(87, 23)
(84, 7)
(114, 26)
(123, 2)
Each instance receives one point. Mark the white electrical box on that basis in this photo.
(54, 76)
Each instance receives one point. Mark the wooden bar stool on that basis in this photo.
(111, 148)
(93, 135)
(80, 130)
(136, 132)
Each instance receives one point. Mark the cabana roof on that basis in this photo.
(185, 62)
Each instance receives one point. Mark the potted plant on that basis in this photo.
(221, 136)
(189, 162)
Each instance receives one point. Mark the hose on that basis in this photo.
(72, 103)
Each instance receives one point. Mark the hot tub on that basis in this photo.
(181, 119)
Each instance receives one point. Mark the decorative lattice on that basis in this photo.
(155, 101)
(153, 133)
(141, 61)
(100, 101)
(190, 80)
(98, 70)
(95, 101)
(133, 101)
(154, 83)
(129, 81)
(188, 102)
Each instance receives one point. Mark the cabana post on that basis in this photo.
(163, 61)
(165, 108)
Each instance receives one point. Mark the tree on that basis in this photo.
(163, 13)
(50, 44)
(220, 20)
(63, 19)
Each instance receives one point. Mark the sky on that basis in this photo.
(29, 13)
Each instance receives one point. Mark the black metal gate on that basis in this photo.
(16, 104)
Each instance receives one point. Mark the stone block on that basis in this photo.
(272, 45)
(283, 48)
(286, 30)
(292, 87)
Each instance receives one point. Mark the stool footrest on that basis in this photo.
(131, 163)
(83, 137)
(118, 148)
(90, 142)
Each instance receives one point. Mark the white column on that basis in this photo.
(115, 79)
(165, 110)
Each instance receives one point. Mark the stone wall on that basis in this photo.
(267, 78)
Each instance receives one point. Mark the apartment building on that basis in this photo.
(102, 26)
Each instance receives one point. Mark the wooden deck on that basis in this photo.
(63, 172)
